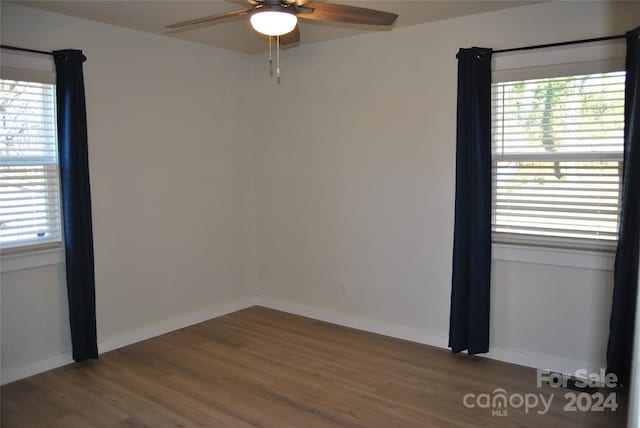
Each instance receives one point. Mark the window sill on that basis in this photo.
(31, 259)
(584, 259)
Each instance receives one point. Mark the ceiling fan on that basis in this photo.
(279, 18)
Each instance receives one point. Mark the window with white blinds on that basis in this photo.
(557, 160)
(29, 182)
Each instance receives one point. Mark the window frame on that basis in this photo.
(548, 63)
(29, 68)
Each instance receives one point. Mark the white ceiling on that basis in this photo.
(236, 34)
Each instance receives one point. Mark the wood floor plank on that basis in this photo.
(263, 368)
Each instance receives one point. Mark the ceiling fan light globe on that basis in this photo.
(273, 23)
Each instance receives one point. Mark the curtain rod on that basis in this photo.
(15, 48)
(551, 45)
(53, 54)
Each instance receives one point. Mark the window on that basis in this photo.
(29, 182)
(557, 160)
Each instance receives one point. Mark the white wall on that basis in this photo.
(172, 195)
(354, 164)
(357, 187)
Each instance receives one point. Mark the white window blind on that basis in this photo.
(557, 159)
(29, 182)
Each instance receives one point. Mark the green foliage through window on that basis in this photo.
(29, 194)
(557, 154)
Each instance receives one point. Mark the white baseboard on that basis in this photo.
(17, 372)
(167, 326)
(541, 361)
(513, 356)
(387, 329)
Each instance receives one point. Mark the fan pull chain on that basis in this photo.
(278, 58)
(270, 59)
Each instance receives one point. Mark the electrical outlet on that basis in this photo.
(343, 288)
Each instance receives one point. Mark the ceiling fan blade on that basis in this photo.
(291, 38)
(348, 14)
(207, 19)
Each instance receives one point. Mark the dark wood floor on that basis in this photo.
(260, 367)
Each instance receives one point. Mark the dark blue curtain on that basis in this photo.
(625, 288)
(469, 322)
(76, 202)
